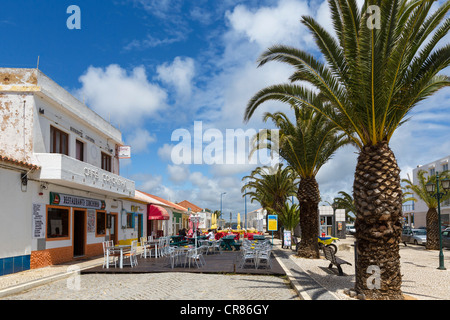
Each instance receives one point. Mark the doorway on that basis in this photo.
(79, 233)
(326, 225)
(112, 223)
(140, 226)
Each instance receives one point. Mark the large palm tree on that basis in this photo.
(306, 145)
(432, 219)
(373, 78)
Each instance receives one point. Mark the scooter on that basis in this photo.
(328, 242)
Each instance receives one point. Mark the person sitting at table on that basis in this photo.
(210, 235)
(182, 233)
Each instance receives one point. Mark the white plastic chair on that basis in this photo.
(174, 256)
(146, 249)
(108, 252)
(132, 254)
(194, 255)
(248, 254)
(265, 256)
(216, 246)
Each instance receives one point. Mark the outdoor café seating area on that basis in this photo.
(190, 254)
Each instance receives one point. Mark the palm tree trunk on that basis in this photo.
(432, 230)
(309, 197)
(378, 200)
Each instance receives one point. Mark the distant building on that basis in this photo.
(257, 219)
(418, 212)
(179, 217)
(190, 206)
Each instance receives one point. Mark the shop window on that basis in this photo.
(101, 223)
(57, 223)
(106, 162)
(59, 141)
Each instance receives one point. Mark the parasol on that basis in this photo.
(239, 221)
(213, 221)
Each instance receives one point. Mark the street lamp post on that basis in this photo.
(221, 202)
(431, 187)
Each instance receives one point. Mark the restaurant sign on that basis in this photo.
(62, 199)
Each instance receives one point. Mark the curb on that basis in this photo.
(301, 292)
(45, 280)
(315, 290)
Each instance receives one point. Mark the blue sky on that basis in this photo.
(153, 67)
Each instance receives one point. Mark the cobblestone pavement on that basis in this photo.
(308, 279)
(162, 286)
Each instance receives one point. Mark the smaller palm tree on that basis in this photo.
(346, 202)
(289, 217)
(432, 219)
(271, 187)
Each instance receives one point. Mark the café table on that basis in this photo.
(151, 243)
(121, 249)
(258, 237)
(228, 241)
(176, 239)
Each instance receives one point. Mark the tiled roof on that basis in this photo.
(171, 204)
(192, 206)
(19, 163)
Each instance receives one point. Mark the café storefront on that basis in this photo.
(68, 227)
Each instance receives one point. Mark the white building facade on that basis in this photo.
(256, 219)
(60, 186)
(417, 216)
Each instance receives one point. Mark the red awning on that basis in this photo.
(157, 213)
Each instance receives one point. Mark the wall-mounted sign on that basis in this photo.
(62, 199)
(91, 221)
(38, 227)
(110, 179)
(124, 152)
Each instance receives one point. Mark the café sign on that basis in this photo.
(62, 199)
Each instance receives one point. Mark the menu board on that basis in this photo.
(287, 238)
(38, 227)
(91, 220)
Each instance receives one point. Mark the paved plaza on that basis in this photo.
(164, 286)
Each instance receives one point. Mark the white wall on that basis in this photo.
(15, 215)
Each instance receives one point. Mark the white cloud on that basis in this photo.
(139, 140)
(271, 25)
(165, 152)
(178, 74)
(177, 173)
(127, 98)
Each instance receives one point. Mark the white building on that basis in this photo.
(257, 219)
(60, 186)
(420, 209)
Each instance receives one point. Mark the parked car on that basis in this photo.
(415, 236)
(350, 229)
(446, 238)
